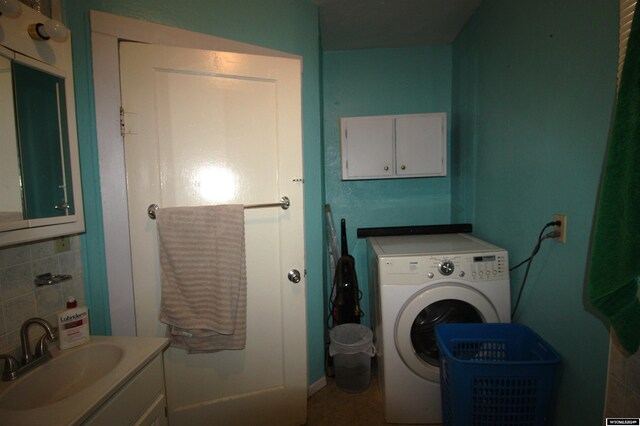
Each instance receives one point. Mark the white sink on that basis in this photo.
(70, 386)
(62, 377)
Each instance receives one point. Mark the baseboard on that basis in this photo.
(316, 386)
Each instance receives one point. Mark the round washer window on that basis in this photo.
(423, 337)
(443, 303)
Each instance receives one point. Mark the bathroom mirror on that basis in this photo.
(43, 143)
(39, 167)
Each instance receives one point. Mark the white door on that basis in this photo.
(205, 127)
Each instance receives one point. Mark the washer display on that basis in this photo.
(418, 282)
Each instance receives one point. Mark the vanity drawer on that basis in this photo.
(133, 399)
(155, 414)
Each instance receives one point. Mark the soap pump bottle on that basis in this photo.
(73, 325)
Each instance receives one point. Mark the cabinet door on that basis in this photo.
(421, 145)
(367, 147)
(134, 398)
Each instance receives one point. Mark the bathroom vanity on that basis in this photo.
(108, 381)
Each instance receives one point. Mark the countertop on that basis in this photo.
(73, 410)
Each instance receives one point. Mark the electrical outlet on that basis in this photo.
(62, 244)
(562, 228)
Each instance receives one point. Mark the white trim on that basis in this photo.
(316, 386)
(106, 31)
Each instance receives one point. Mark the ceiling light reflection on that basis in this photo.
(215, 184)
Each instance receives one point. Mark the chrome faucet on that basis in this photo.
(27, 356)
(12, 369)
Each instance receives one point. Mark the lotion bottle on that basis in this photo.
(73, 325)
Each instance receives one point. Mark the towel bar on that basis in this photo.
(283, 204)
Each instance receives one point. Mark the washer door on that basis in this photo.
(442, 303)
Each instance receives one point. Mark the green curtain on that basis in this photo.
(615, 255)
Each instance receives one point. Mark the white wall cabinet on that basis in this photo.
(394, 146)
(40, 193)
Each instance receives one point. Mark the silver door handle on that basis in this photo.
(294, 276)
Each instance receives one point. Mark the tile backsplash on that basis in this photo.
(623, 384)
(20, 299)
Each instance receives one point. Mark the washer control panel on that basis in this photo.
(475, 267)
(485, 266)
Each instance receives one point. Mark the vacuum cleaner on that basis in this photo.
(345, 300)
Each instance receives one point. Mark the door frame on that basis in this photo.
(106, 32)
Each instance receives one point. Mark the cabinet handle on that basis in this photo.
(386, 168)
(403, 167)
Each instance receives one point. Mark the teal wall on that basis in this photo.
(528, 88)
(381, 82)
(286, 25)
(533, 90)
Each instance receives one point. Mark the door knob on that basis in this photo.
(294, 276)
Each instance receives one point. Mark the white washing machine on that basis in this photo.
(417, 282)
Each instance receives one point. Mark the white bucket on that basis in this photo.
(352, 348)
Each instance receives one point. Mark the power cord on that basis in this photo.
(529, 259)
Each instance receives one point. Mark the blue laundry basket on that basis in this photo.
(495, 374)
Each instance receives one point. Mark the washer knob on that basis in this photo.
(446, 267)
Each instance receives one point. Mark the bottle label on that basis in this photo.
(75, 334)
(73, 324)
(73, 317)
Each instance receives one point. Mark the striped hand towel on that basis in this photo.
(204, 280)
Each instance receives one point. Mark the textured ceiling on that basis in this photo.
(363, 24)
